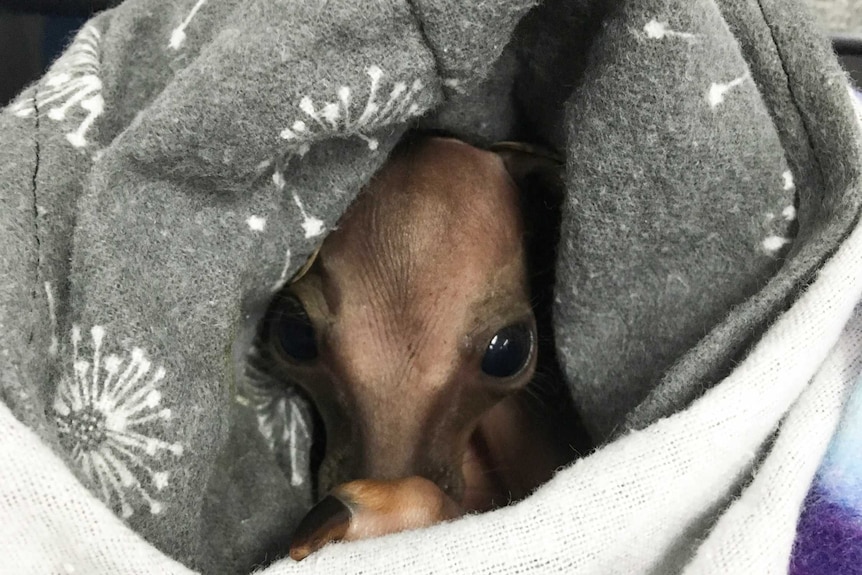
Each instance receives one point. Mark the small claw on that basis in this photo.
(328, 521)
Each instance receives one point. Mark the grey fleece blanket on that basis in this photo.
(181, 161)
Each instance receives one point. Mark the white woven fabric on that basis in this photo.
(638, 505)
(756, 534)
(643, 504)
(633, 507)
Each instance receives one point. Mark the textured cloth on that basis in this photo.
(641, 502)
(838, 16)
(829, 533)
(182, 160)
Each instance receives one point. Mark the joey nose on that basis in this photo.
(370, 508)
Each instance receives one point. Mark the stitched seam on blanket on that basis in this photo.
(420, 24)
(36, 232)
(793, 97)
(822, 177)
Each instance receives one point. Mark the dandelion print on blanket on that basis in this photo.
(73, 80)
(107, 411)
(282, 417)
(178, 35)
(339, 117)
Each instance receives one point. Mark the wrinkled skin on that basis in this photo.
(404, 296)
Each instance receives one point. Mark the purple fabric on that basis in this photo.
(828, 537)
(829, 531)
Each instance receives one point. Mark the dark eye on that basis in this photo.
(294, 331)
(508, 351)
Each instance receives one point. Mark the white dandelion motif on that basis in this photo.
(54, 347)
(312, 226)
(102, 411)
(282, 418)
(656, 30)
(772, 244)
(283, 426)
(455, 85)
(73, 80)
(282, 279)
(718, 90)
(178, 34)
(256, 223)
(338, 118)
(787, 181)
(780, 232)
(856, 100)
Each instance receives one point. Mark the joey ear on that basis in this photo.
(532, 167)
(306, 266)
(540, 176)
